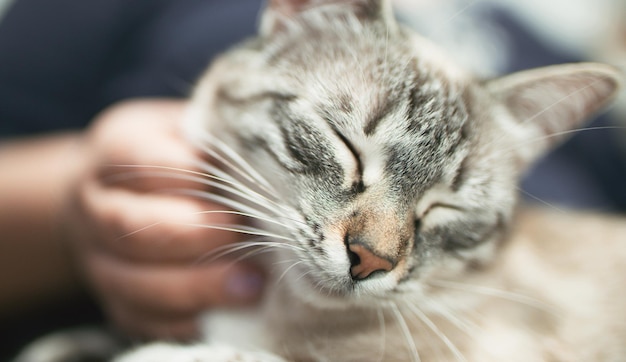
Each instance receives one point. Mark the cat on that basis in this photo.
(382, 179)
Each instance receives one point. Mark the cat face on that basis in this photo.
(384, 164)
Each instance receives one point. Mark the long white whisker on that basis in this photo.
(563, 133)
(380, 313)
(464, 324)
(546, 109)
(225, 177)
(222, 200)
(554, 207)
(498, 293)
(284, 273)
(285, 261)
(406, 332)
(229, 248)
(445, 23)
(191, 214)
(241, 207)
(303, 275)
(241, 229)
(433, 327)
(225, 250)
(245, 214)
(560, 100)
(238, 164)
(208, 180)
(226, 184)
(255, 252)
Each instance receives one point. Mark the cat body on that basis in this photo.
(554, 294)
(382, 178)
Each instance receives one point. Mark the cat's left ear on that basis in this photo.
(547, 102)
(278, 13)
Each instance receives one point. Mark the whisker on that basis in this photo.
(254, 252)
(406, 332)
(206, 179)
(383, 332)
(554, 207)
(141, 230)
(546, 109)
(241, 229)
(225, 201)
(225, 177)
(225, 250)
(442, 25)
(245, 214)
(160, 223)
(241, 166)
(285, 261)
(193, 176)
(464, 324)
(284, 273)
(244, 209)
(563, 133)
(303, 275)
(498, 293)
(237, 228)
(228, 249)
(557, 102)
(433, 327)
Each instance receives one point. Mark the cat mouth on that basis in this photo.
(313, 283)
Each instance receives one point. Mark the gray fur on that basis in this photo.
(354, 127)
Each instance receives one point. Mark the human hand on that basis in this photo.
(136, 244)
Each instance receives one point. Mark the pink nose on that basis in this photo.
(364, 262)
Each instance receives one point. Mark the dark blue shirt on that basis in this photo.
(62, 61)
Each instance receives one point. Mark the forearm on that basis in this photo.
(34, 259)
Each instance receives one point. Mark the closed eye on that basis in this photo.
(436, 205)
(357, 185)
(420, 220)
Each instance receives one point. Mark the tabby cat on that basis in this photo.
(380, 179)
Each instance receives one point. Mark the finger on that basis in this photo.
(155, 228)
(141, 147)
(175, 290)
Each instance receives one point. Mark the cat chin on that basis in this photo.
(340, 294)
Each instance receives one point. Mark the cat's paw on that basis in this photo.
(197, 353)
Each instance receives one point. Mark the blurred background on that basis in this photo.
(62, 61)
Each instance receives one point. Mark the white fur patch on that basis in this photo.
(161, 352)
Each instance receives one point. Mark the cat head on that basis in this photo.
(385, 164)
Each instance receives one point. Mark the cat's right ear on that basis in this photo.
(546, 103)
(279, 14)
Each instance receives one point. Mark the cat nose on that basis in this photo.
(364, 262)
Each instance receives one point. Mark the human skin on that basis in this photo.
(75, 214)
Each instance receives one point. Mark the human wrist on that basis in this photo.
(32, 251)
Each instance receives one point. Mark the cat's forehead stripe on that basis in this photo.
(225, 95)
(378, 114)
